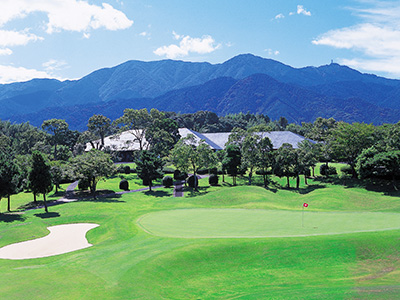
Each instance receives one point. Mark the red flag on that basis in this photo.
(305, 205)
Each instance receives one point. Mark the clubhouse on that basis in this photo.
(126, 144)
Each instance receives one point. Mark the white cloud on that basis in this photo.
(10, 74)
(302, 11)
(5, 51)
(272, 52)
(10, 38)
(377, 39)
(54, 65)
(188, 45)
(70, 15)
(279, 16)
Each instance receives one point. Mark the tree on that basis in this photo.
(266, 157)
(40, 176)
(285, 162)
(99, 125)
(308, 157)
(189, 155)
(9, 178)
(149, 167)
(93, 166)
(349, 140)
(232, 161)
(59, 130)
(251, 153)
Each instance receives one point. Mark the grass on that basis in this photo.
(127, 263)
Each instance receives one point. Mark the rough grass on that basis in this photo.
(127, 263)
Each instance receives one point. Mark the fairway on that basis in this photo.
(258, 223)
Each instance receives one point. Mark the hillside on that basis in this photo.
(243, 83)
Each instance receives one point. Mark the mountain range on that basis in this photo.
(245, 83)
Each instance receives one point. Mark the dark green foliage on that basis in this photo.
(325, 170)
(202, 171)
(213, 180)
(92, 166)
(127, 169)
(124, 185)
(168, 170)
(149, 167)
(232, 161)
(177, 174)
(346, 170)
(10, 177)
(167, 181)
(83, 184)
(193, 181)
(40, 176)
(285, 162)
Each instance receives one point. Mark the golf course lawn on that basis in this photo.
(126, 262)
(246, 223)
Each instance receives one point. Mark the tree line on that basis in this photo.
(35, 159)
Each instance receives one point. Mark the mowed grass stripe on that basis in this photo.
(259, 223)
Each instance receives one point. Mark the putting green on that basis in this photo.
(257, 223)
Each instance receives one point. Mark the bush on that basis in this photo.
(202, 171)
(124, 185)
(193, 181)
(121, 169)
(127, 169)
(83, 184)
(213, 180)
(346, 170)
(168, 170)
(213, 171)
(167, 181)
(177, 175)
(327, 170)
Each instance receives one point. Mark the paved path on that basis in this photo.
(178, 190)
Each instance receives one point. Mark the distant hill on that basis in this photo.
(243, 83)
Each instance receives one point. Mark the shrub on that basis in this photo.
(192, 181)
(213, 171)
(168, 170)
(121, 169)
(167, 181)
(83, 184)
(127, 169)
(202, 171)
(124, 185)
(346, 170)
(177, 175)
(327, 170)
(213, 180)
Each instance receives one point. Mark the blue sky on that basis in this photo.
(68, 39)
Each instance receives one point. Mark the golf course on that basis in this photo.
(220, 242)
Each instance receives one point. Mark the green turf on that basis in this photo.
(127, 263)
(256, 223)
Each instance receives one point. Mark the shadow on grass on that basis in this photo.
(9, 218)
(191, 192)
(157, 193)
(48, 215)
(104, 196)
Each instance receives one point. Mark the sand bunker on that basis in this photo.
(62, 239)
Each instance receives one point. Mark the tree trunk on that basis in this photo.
(9, 203)
(45, 203)
(56, 188)
(223, 176)
(313, 171)
(288, 182)
(265, 180)
(195, 181)
(150, 184)
(250, 175)
(34, 198)
(297, 181)
(305, 179)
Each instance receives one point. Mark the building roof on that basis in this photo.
(124, 141)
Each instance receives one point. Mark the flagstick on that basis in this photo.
(302, 218)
